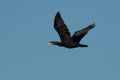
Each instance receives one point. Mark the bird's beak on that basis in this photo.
(50, 43)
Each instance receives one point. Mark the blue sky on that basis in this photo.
(26, 27)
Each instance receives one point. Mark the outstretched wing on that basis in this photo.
(61, 28)
(78, 35)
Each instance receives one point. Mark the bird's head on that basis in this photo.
(54, 43)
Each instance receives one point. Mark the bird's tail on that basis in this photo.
(83, 45)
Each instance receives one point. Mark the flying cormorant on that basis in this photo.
(67, 40)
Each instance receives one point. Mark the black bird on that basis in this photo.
(67, 40)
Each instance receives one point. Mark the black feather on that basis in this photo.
(65, 36)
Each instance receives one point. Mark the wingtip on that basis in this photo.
(58, 13)
(93, 24)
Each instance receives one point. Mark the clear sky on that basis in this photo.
(26, 27)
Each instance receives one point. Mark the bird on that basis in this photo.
(67, 40)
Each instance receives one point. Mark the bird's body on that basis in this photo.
(67, 40)
(68, 44)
